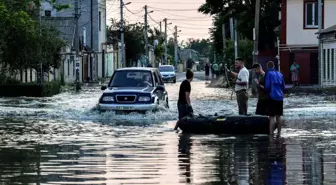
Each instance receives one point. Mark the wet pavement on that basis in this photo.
(64, 140)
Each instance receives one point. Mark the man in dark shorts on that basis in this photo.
(262, 95)
(183, 102)
(274, 86)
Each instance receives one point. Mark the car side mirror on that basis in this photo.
(160, 88)
(103, 87)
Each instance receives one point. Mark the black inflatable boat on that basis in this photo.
(231, 124)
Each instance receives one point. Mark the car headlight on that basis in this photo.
(144, 98)
(108, 98)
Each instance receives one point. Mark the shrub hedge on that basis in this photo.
(30, 89)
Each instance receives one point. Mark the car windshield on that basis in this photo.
(132, 79)
(166, 68)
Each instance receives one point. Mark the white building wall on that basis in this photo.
(296, 35)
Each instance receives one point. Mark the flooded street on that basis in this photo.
(64, 140)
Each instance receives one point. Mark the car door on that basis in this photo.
(158, 82)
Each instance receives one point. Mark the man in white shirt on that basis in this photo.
(241, 85)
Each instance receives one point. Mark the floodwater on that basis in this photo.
(63, 140)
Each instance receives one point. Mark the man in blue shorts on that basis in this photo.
(274, 86)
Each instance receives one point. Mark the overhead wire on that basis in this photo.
(133, 12)
(173, 10)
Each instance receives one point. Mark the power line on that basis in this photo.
(133, 12)
(153, 19)
(173, 10)
(183, 15)
(157, 2)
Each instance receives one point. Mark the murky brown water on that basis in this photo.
(60, 140)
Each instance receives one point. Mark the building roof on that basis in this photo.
(328, 30)
(66, 26)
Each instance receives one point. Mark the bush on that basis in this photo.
(30, 89)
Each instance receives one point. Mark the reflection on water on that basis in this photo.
(155, 155)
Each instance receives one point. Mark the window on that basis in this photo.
(68, 67)
(47, 13)
(72, 60)
(311, 14)
(99, 21)
(323, 64)
(333, 64)
(328, 65)
(158, 78)
(166, 68)
(132, 79)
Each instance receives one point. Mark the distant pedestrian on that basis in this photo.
(241, 85)
(274, 86)
(207, 71)
(294, 69)
(215, 70)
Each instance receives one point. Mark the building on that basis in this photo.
(92, 31)
(328, 62)
(298, 42)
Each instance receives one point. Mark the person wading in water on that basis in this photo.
(241, 85)
(262, 95)
(274, 86)
(207, 72)
(183, 104)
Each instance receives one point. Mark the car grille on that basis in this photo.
(125, 98)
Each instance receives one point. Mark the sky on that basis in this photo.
(182, 14)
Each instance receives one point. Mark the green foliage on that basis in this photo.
(133, 36)
(24, 43)
(30, 89)
(245, 48)
(244, 11)
(202, 46)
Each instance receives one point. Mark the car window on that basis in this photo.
(166, 69)
(159, 78)
(132, 79)
(156, 79)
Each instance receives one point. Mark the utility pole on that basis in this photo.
(160, 27)
(319, 3)
(224, 41)
(175, 47)
(236, 38)
(122, 33)
(166, 60)
(256, 32)
(91, 32)
(256, 41)
(77, 15)
(146, 35)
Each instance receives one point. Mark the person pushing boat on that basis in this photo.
(183, 104)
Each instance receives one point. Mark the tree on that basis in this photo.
(244, 12)
(24, 43)
(133, 37)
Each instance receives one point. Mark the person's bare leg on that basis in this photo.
(272, 125)
(279, 125)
